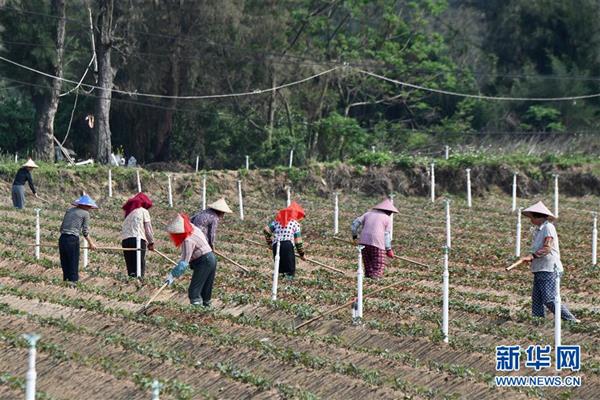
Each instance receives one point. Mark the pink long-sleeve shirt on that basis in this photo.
(375, 224)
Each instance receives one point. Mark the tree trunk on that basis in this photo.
(105, 81)
(46, 106)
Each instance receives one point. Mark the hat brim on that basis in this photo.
(528, 214)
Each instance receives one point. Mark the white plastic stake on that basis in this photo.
(445, 296)
(110, 183)
(37, 233)
(514, 192)
(595, 240)
(289, 197)
(392, 218)
(448, 228)
(31, 375)
(359, 284)
(447, 152)
(138, 257)
(275, 273)
(241, 200)
(432, 182)
(139, 183)
(247, 163)
(469, 202)
(518, 237)
(336, 213)
(85, 254)
(372, 149)
(156, 390)
(556, 195)
(557, 312)
(204, 192)
(197, 161)
(291, 158)
(170, 192)
(16, 158)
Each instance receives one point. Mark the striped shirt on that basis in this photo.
(75, 221)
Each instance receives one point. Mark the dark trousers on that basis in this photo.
(68, 247)
(131, 256)
(203, 278)
(287, 258)
(18, 196)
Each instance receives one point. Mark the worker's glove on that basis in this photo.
(389, 253)
(179, 269)
(269, 242)
(170, 279)
(301, 254)
(151, 246)
(355, 241)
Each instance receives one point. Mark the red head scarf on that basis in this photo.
(292, 212)
(188, 228)
(137, 201)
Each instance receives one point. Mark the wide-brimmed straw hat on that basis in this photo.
(386, 205)
(85, 200)
(220, 205)
(538, 208)
(30, 164)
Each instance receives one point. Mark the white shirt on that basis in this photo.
(547, 262)
(133, 226)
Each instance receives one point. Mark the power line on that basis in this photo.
(475, 96)
(161, 96)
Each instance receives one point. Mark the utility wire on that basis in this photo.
(475, 96)
(161, 96)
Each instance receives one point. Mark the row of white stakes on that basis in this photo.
(247, 164)
(31, 375)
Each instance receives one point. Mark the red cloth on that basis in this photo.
(374, 261)
(137, 201)
(178, 238)
(292, 212)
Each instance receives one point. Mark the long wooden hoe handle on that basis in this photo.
(153, 297)
(310, 321)
(166, 257)
(339, 271)
(307, 259)
(96, 248)
(232, 261)
(395, 256)
(514, 265)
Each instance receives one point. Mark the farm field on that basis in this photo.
(94, 345)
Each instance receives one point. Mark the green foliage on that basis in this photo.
(16, 124)
(377, 159)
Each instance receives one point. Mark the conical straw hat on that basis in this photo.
(386, 205)
(176, 225)
(220, 205)
(539, 208)
(85, 200)
(30, 164)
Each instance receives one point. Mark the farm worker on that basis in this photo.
(75, 221)
(18, 188)
(545, 262)
(286, 230)
(196, 254)
(208, 220)
(374, 227)
(137, 224)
